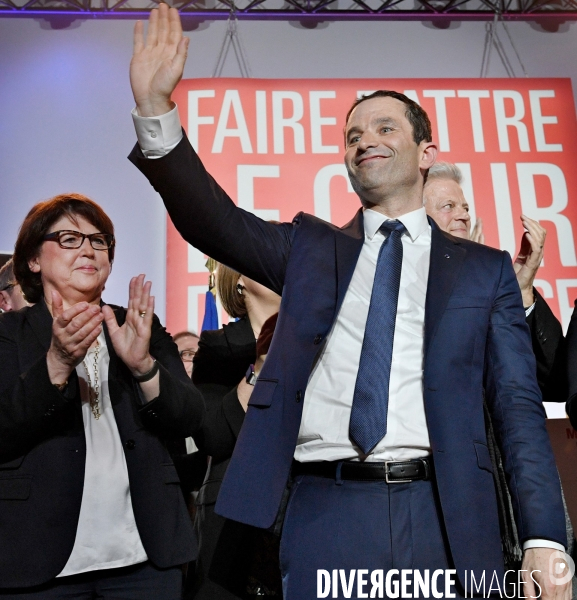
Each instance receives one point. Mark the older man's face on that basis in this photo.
(446, 205)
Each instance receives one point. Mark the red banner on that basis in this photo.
(276, 147)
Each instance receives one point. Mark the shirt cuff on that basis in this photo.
(157, 136)
(529, 310)
(543, 544)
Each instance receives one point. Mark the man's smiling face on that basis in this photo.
(381, 155)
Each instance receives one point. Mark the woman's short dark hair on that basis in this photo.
(416, 116)
(38, 223)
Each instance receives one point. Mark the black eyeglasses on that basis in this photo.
(74, 239)
(187, 355)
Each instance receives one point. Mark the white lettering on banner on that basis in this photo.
(280, 122)
(196, 260)
(412, 95)
(322, 189)
(194, 118)
(317, 122)
(467, 186)
(545, 288)
(526, 173)
(245, 176)
(504, 122)
(474, 97)
(539, 120)
(231, 101)
(361, 93)
(441, 111)
(503, 207)
(196, 295)
(566, 299)
(261, 123)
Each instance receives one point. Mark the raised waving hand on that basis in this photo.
(158, 61)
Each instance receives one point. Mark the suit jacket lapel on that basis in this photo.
(349, 242)
(447, 257)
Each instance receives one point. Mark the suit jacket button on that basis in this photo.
(130, 444)
(299, 396)
(318, 339)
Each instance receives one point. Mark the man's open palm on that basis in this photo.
(157, 64)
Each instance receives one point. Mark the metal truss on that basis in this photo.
(193, 11)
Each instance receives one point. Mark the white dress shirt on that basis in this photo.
(323, 433)
(324, 430)
(106, 537)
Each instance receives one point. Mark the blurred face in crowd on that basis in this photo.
(187, 346)
(11, 298)
(446, 205)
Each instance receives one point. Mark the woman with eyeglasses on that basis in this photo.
(90, 504)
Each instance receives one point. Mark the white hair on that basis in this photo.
(445, 170)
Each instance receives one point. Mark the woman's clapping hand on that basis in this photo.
(74, 330)
(131, 341)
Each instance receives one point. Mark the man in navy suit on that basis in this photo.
(420, 495)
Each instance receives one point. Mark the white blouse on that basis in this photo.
(107, 536)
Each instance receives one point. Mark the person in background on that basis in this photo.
(226, 367)
(187, 343)
(445, 203)
(89, 498)
(11, 297)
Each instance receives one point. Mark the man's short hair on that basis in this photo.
(7, 275)
(446, 170)
(416, 116)
(182, 334)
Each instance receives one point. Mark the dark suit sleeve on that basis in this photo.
(30, 406)
(208, 219)
(549, 348)
(518, 415)
(178, 411)
(571, 367)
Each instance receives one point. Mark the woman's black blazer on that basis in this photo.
(220, 363)
(43, 449)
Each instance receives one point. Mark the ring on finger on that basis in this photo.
(142, 313)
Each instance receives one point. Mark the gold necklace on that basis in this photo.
(94, 390)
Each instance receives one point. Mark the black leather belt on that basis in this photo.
(391, 471)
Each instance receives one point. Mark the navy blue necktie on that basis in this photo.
(368, 424)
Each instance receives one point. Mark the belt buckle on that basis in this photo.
(387, 463)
